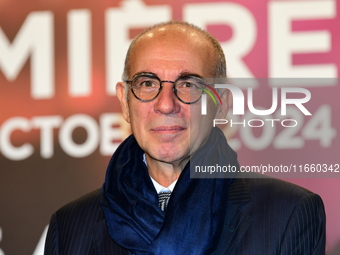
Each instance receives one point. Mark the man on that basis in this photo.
(165, 73)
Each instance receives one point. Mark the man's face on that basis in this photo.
(163, 126)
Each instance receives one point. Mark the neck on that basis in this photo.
(164, 173)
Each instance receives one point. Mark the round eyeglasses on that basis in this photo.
(146, 87)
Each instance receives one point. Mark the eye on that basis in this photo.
(148, 83)
(188, 84)
(145, 82)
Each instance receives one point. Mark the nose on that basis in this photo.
(167, 102)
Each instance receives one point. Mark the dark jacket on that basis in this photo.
(264, 216)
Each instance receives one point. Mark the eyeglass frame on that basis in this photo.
(174, 89)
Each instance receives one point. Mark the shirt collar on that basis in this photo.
(159, 188)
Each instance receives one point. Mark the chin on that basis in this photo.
(170, 156)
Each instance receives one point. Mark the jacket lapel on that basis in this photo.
(236, 222)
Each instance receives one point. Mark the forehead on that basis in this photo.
(172, 50)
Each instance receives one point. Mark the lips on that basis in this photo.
(168, 129)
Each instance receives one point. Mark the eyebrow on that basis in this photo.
(144, 73)
(182, 74)
(185, 73)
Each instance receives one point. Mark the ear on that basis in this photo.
(223, 109)
(122, 96)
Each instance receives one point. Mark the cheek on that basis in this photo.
(201, 126)
(197, 118)
(137, 115)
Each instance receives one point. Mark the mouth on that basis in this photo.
(168, 129)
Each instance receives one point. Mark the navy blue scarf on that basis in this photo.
(196, 211)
